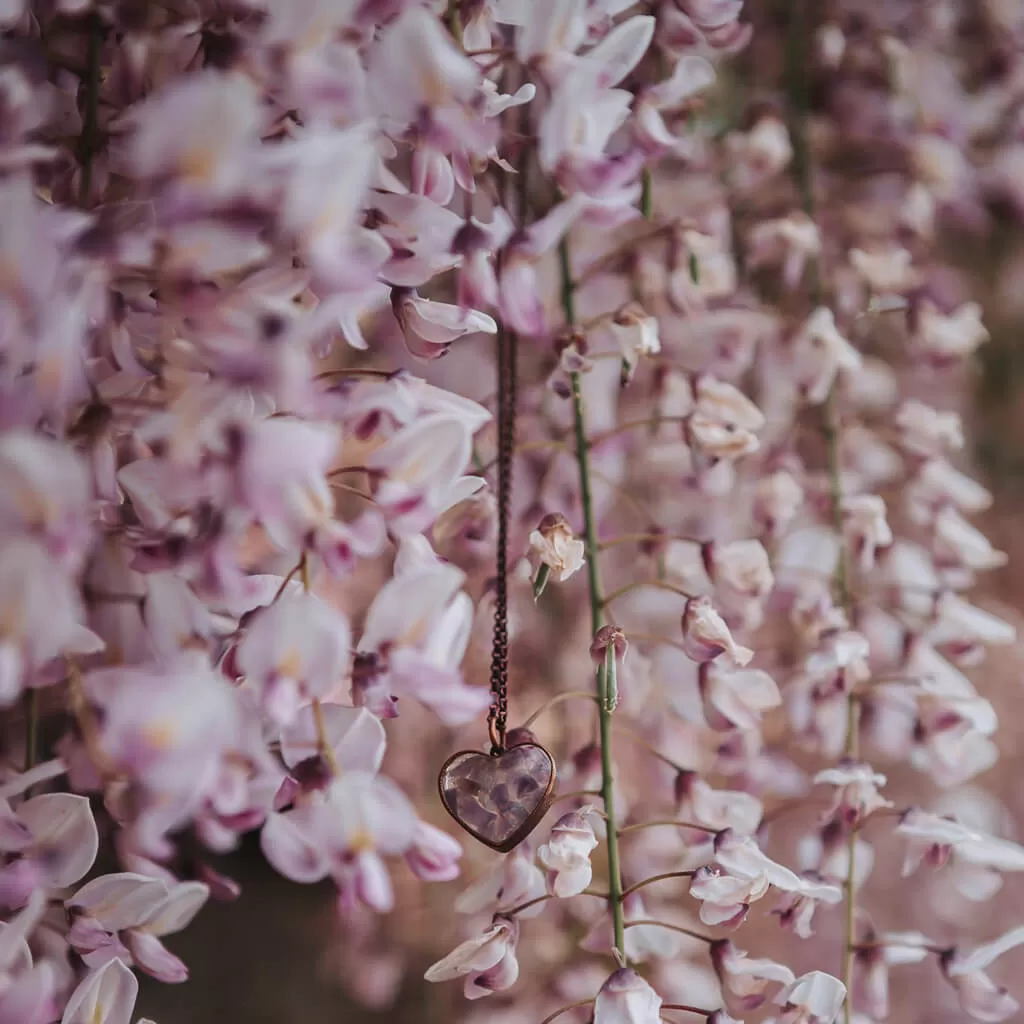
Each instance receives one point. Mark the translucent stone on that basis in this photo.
(499, 800)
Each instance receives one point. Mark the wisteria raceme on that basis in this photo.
(255, 256)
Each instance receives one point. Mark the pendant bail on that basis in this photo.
(497, 735)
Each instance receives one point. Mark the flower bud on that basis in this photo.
(636, 335)
(605, 637)
(625, 998)
(566, 854)
(746, 982)
(434, 855)
(555, 546)
(815, 998)
(706, 636)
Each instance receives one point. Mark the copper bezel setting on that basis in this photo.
(532, 820)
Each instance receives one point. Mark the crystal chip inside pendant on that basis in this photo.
(499, 798)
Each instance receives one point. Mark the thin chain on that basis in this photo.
(497, 719)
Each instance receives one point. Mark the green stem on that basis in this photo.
(799, 88)
(596, 618)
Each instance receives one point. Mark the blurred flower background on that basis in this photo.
(761, 264)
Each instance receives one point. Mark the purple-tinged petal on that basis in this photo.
(153, 957)
(30, 998)
(621, 50)
(104, 996)
(434, 855)
(119, 901)
(293, 848)
(14, 951)
(354, 734)
(64, 834)
(177, 909)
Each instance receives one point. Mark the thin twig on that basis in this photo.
(670, 822)
(651, 923)
(655, 878)
(545, 899)
(655, 638)
(625, 730)
(609, 259)
(337, 485)
(565, 1009)
(639, 584)
(622, 428)
(559, 698)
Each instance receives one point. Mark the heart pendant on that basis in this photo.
(498, 799)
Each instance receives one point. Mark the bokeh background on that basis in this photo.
(278, 955)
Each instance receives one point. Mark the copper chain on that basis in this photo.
(497, 719)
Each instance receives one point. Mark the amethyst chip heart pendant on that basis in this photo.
(499, 799)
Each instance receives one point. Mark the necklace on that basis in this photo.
(500, 797)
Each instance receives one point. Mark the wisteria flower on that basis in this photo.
(856, 795)
(430, 327)
(625, 998)
(554, 544)
(214, 158)
(814, 998)
(239, 538)
(717, 809)
(980, 997)
(434, 855)
(566, 854)
(343, 832)
(725, 899)
(30, 985)
(419, 472)
(795, 910)
(294, 651)
(124, 916)
(487, 962)
(747, 982)
(877, 953)
(706, 635)
(50, 842)
(736, 698)
(636, 335)
(513, 881)
(953, 336)
(416, 634)
(823, 353)
(932, 839)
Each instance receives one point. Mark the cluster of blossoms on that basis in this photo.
(237, 237)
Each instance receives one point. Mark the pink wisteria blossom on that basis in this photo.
(333, 331)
